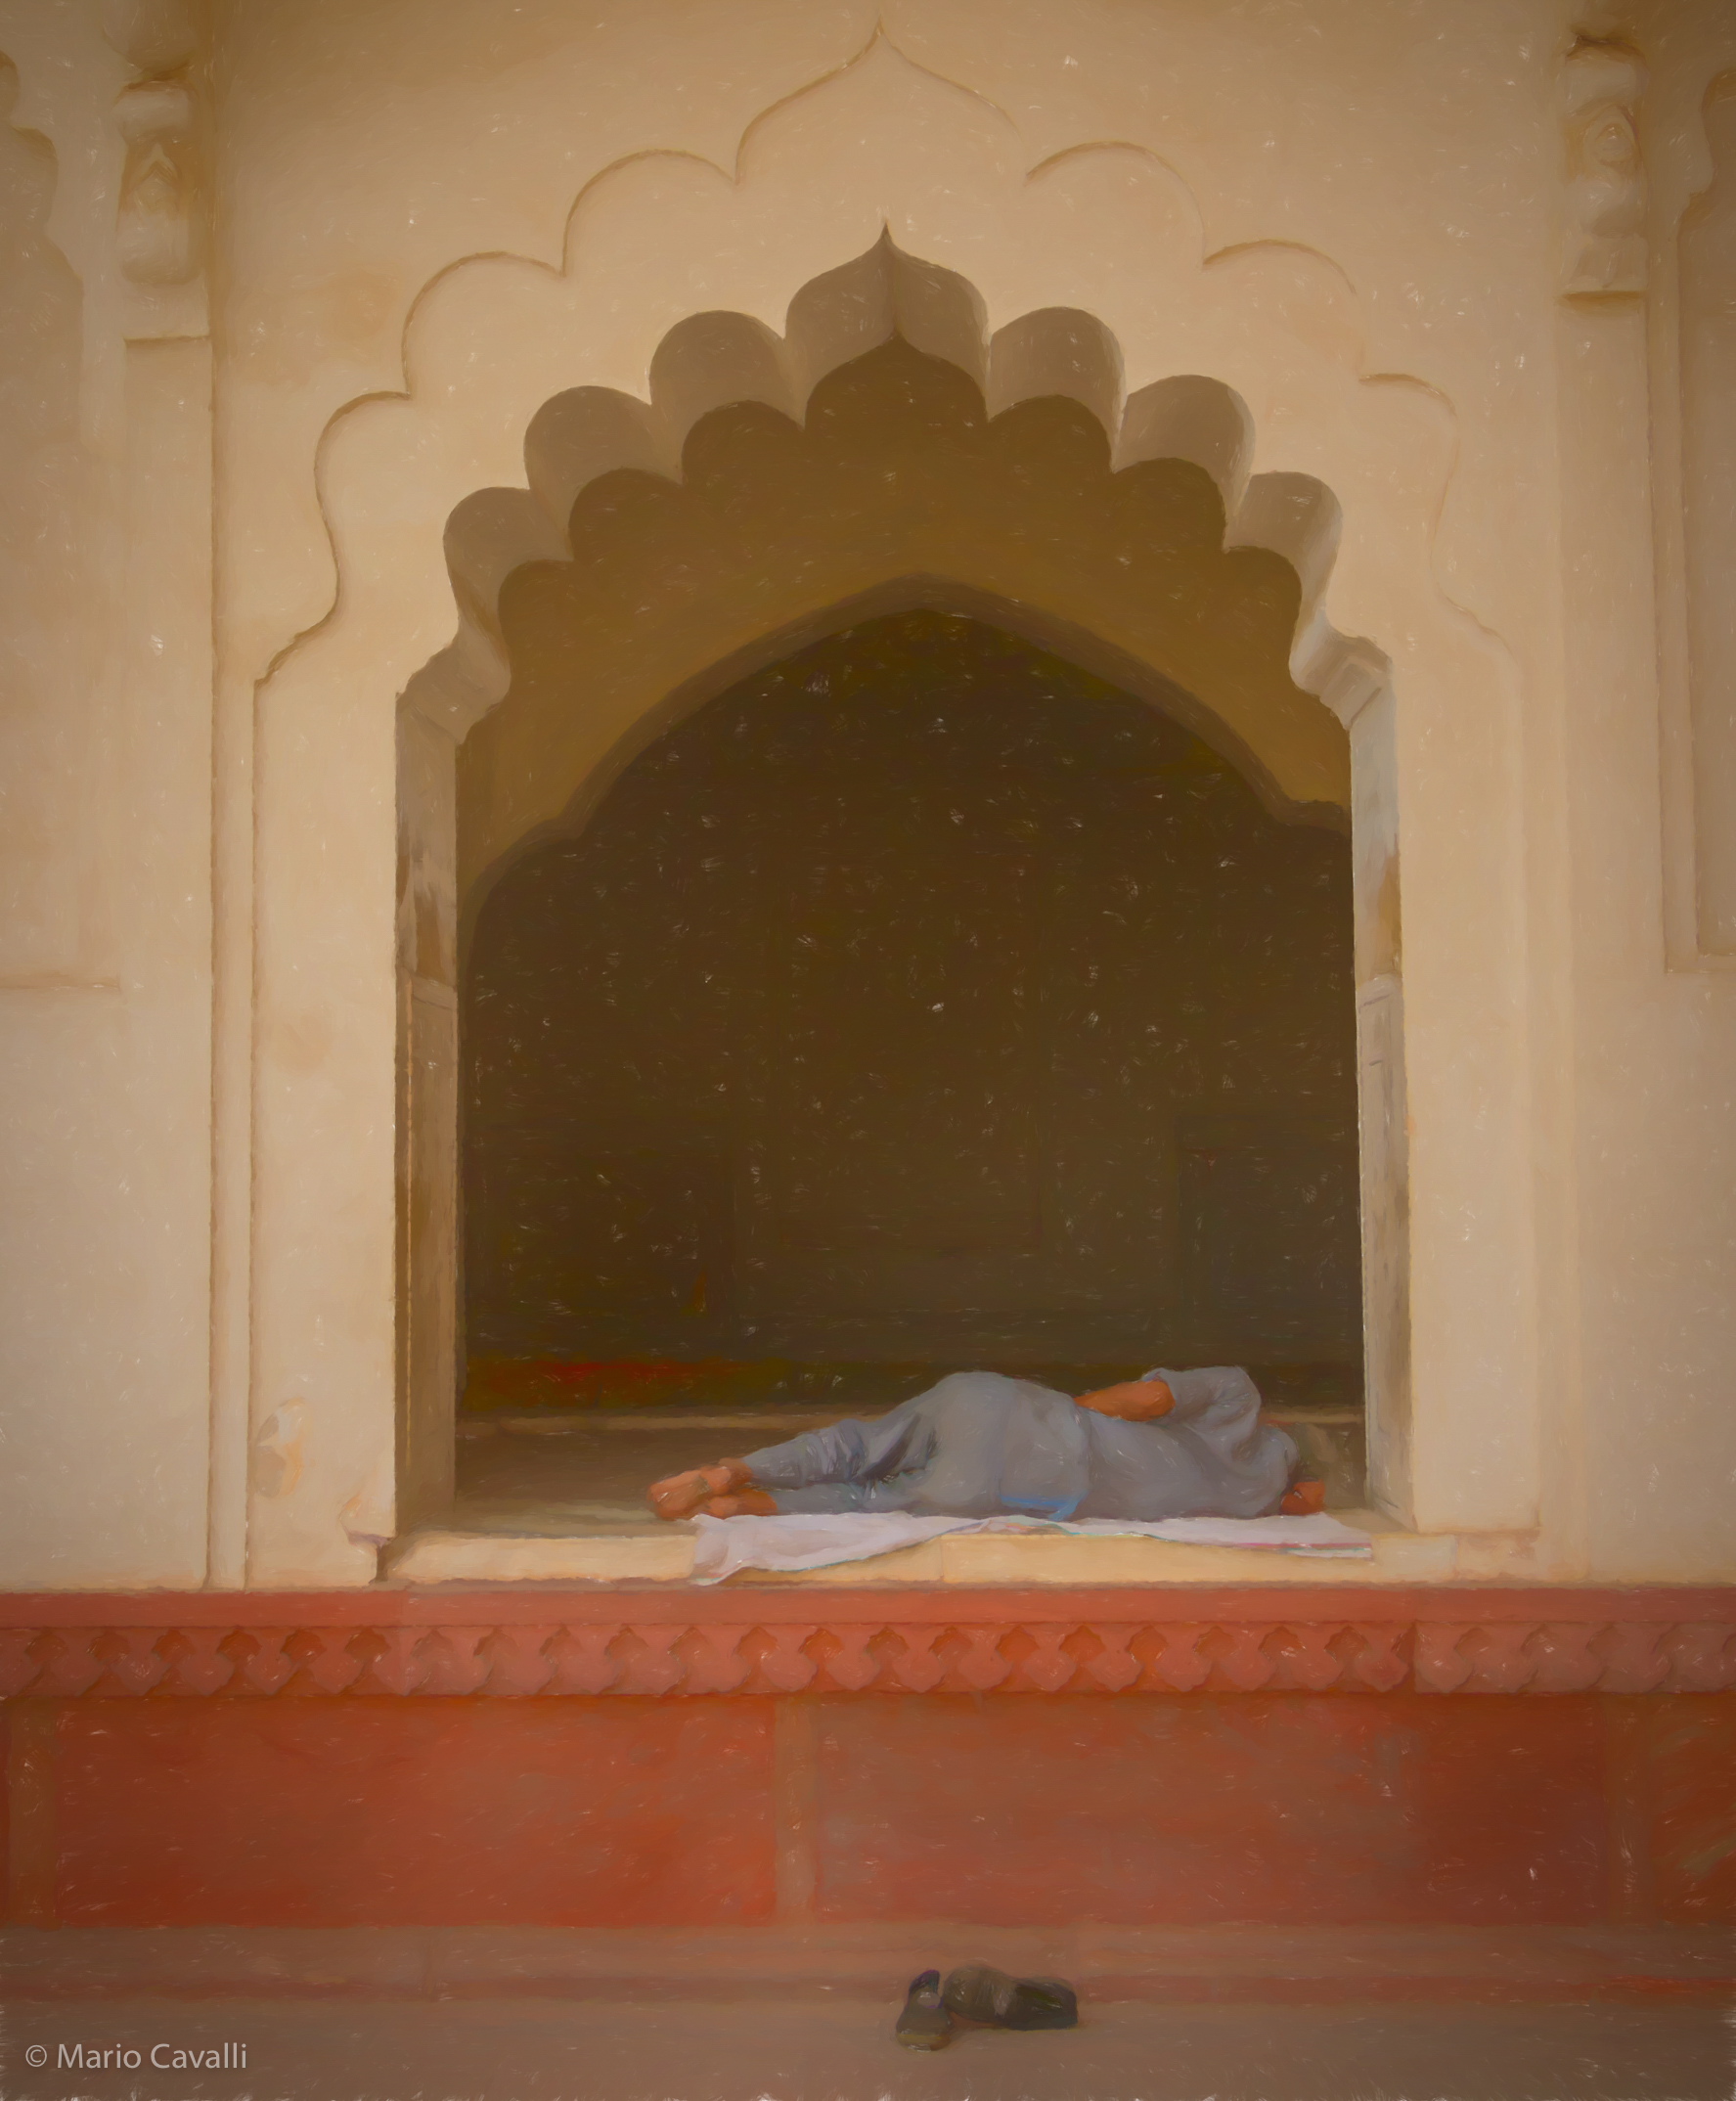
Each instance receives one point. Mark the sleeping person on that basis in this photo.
(1173, 1444)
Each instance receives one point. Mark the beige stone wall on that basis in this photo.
(1410, 246)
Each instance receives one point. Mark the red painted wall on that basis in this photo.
(1285, 1810)
(746, 1755)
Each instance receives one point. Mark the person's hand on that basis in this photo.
(678, 1495)
(1134, 1401)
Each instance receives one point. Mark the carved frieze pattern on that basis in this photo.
(698, 1656)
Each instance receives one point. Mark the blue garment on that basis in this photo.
(980, 1445)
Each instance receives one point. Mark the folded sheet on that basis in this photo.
(725, 1545)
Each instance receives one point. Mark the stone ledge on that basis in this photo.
(664, 1553)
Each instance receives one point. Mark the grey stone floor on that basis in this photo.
(817, 2047)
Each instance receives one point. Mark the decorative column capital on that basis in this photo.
(1604, 202)
(160, 233)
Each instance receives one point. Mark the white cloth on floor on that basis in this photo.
(808, 1542)
(816, 1540)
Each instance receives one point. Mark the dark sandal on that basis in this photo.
(924, 2024)
(976, 1993)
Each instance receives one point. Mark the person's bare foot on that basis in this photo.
(678, 1495)
(743, 1503)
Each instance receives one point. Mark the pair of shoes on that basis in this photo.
(988, 1997)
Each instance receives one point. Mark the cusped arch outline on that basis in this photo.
(720, 359)
(896, 490)
(717, 361)
(1257, 353)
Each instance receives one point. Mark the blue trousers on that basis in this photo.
(976, 1445)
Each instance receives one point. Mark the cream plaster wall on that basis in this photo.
(1381, 192)
(1655, 1047)
(105, 860)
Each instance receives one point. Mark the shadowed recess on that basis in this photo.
(922, 999)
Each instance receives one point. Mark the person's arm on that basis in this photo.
(1222, 1402)
(1133, 1400)
(1214, 1397)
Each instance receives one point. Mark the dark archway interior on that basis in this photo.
(920, 1002)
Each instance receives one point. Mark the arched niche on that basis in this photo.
(883, 454)
(1086, 274)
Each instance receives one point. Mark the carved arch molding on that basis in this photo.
(1086, 289)
(820, 474)
(715, 361)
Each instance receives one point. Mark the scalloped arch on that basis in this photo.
(1082, 276)
(720, 359)
(896, 487)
